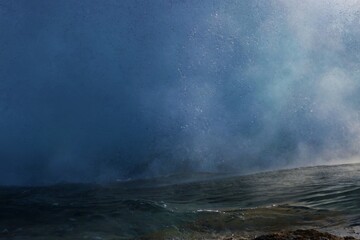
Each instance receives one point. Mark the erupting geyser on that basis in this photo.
(95, 91)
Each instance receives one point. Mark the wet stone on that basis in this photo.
(302, 235)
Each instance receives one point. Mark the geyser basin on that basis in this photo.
(94, 91)
(324, 198)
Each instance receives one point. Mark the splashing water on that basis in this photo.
(94, 91)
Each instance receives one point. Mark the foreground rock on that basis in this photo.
(302, 235)
(309, 234)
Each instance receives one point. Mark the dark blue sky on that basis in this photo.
(99, 90)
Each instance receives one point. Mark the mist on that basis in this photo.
(104, 90)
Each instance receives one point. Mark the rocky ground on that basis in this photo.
(309, 234)
(302, 235)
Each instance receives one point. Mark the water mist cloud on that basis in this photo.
(93, 91)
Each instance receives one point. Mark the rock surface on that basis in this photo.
(302, 235)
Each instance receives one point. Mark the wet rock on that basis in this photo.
(302, 235)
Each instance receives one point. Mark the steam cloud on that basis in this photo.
(99, 90)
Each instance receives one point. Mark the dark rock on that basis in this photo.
(302, 235)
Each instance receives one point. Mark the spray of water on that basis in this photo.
(95, 90)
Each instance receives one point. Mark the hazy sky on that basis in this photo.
(99, 90)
